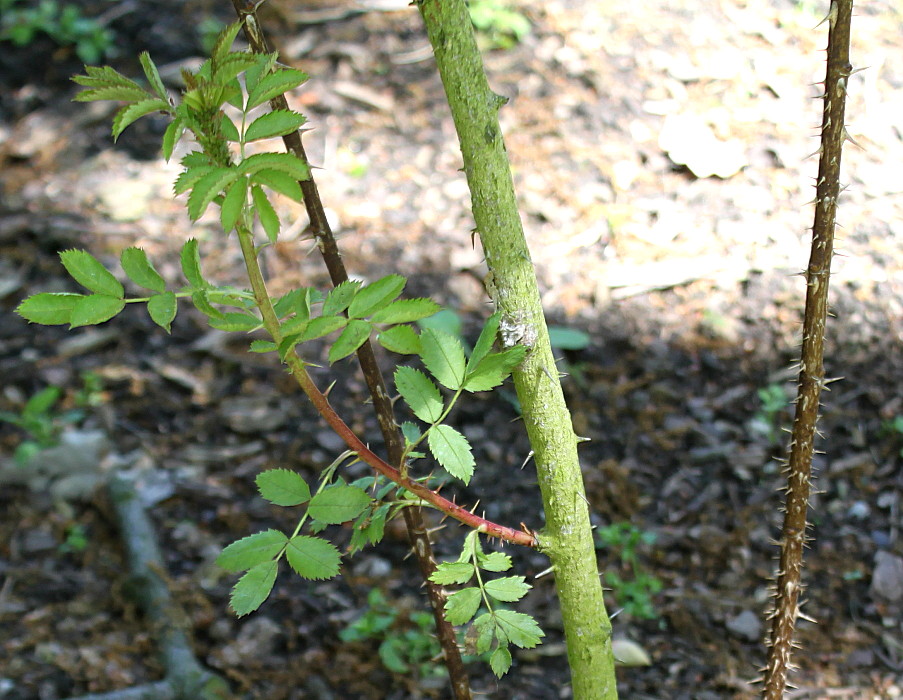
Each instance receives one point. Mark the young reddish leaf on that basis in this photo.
(140, 270)
(283, 487)
(452, 451)
(49, 308)
(162, 309)
(419, 393)
(376, 295)
(94, 309)
(313, 558)
(265, 212)
(276, 123)
(89, 272)
(253, 588)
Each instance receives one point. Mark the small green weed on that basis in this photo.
(76, 540)
(62, 22)
(406, 641)
(767, 420)
(894, 429)
(634, 593)
(501, 26)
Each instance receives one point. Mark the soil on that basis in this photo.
(684, 280)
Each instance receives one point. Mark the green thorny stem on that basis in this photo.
(812, 374)
(567, 537)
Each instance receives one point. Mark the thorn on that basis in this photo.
(328, 389)
(545, 572)
(474, 507)
(527, 459)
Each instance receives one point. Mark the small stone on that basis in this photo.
(746, 625)
(887, 579)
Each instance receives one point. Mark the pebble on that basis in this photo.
(887, 579)
(746, 625)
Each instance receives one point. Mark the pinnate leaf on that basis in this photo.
(89, 272)
(508, 589)
(276, 123)
(444, 357)
(405, 311)
(401, 339)
(419, 393)
(452, 451)
(140, 270)
(462, 605)
(338, 504)
(95, 308)
(253, 588)
(49, 308)
(313, 558)
(130, 113)
(376, 295)
(283, 487)
(251, 551)
(162, 309)
(452, 572)
(354, 335)
(276, 83)
(265, 212)
(105, 83)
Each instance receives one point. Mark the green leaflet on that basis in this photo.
(162, 309)
(94, 309)
(250, 551)
(89, 272)
(401, 339)
(191, 264)
(419, 393)
(140, 270)
(375, 296)
(452, 451)
(282, 487)
(313, 558)
(405, 311)
(265, 212)
(462, 605)
(276, 123)
(338, 504)
(355, 334)
(253, 588)
(444, 357)
(49, 308)
(276, 83)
